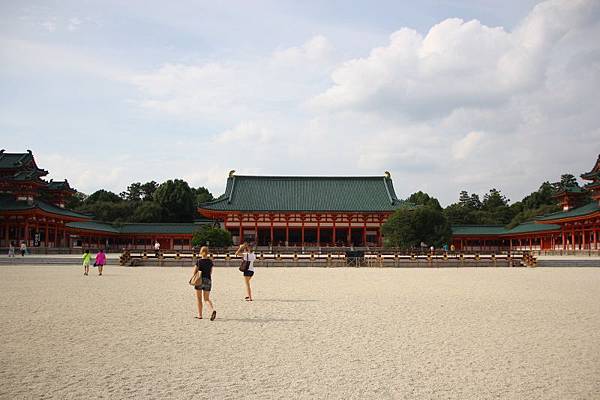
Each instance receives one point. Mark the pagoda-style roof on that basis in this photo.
(59, 186)
(307, 193)
(578, 212)
(9, 204)
(570, 190)
(17, 161)
(594, 173)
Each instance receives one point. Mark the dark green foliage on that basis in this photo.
(148, 211)
(76, 201)
(423, 199)
(103, 196)
(174, 202)
(537, 203)
(566, 181)
(139, 192)
(202, 195)
(177, 199)
(109, 211)
(407, 228)
(469, 210)
(210, 236)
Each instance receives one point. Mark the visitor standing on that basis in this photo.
(87, 257)
(100, 261)
(23, 249)
(11, 250)
(247, 255)
(204, 266)
(156, 248)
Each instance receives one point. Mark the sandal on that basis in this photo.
(213, 316)
(198, 317)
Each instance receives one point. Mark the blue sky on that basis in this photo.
(446, 95)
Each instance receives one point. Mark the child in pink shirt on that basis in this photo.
(100, 261)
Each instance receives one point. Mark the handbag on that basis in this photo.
(195, 280)
(244, 266)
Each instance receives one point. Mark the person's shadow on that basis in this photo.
(259, 320)
(288, 300)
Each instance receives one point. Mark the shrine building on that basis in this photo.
(298, 211)
(312, 211)
(575, 228)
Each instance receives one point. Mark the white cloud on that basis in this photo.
(462, 106)
(237, 90)
(247, 133)
(465, 146)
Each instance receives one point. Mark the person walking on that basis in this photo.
(11, 250)
(247, 255)
(156, 248)
(204, 265)
(100, 261)
(87, 257)
(23, 249)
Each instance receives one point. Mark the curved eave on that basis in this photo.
(570, 219)
(43, 213)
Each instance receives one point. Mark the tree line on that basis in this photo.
(171, 201)
(430, 224)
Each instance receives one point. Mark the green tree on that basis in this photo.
(110, 211)
(103, 196)
(407, 228)
(209, 235)
(566, 180)
(133, 192)
(177, 200)
(148, 211)
(202, 195)
(76, 201)
(423, 199)
(148, 190)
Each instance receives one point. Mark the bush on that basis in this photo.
(209, 235)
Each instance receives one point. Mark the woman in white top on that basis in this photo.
(248, 255)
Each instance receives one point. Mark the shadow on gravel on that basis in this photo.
(287, 300)
(257, 320)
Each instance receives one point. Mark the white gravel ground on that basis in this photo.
(311, 333)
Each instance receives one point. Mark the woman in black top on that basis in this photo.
(205, 266)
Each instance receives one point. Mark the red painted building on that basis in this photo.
(575, 228)
(305, 210)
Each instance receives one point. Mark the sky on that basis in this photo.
(445, 95)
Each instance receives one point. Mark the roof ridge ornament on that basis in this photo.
(231, 173)
(388, 175)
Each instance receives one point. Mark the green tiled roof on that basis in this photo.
(594, 172)
(59, 185)
(528, 227)
(570, 189)
(93, 226)
(181, 228)
(307, 193)
(576, 212)
(8, 203)
(17, 160)
(493, 230)
(29, 175)
(131, 228)
(499, 230)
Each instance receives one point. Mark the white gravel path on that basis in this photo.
(477, 333)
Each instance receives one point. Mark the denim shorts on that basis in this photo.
(206, 285)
